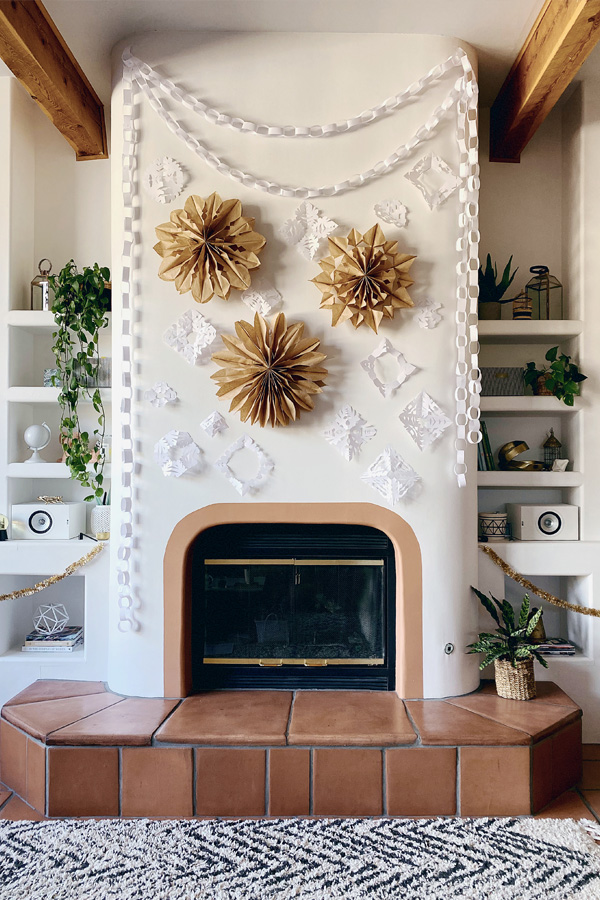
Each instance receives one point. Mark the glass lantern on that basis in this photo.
(552, 449)
(546, 293)
(3, 528)
(40, 287)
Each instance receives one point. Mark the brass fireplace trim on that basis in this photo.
(177, 579)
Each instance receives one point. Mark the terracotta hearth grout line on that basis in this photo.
(579, 791)
(289, 721)
(43, 739)
(489, 718)
(413, 725)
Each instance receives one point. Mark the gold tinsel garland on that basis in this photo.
(520, 579)
(54, 579)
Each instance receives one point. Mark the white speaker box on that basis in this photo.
(533, 522)
(48, 521)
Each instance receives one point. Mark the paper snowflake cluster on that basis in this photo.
(435, 179)
(247, 485)
(424, 420)
(307, 230)
(261, 298)
(348, 432)
(163, 180)
(393, 212)
(191, 335)
(176, 453)
(214, 424)
(427, 314)
(392, 477)
(405, 369)
(51, 618)
(160, 394)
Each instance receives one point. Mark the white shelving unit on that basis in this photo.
(527, 406)
(508, 331)
(525, 480)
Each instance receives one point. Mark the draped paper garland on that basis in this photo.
(463, 95)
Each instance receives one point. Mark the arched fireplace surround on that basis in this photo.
(177, 580)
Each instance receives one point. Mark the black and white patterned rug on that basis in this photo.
(303, 859)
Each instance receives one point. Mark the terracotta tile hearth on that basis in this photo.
(280, 753)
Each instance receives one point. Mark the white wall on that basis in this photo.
(320, 78)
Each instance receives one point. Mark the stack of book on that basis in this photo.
(485, 458)
(556, 647)
(70, 638)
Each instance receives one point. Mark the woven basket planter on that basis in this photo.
(515, 682)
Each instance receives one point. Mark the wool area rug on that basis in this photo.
(303, 859)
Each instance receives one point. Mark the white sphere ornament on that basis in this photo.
(50, 618)
(37, 437)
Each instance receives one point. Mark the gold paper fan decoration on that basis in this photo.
(364, 278)
(208, 248)
(270, 371)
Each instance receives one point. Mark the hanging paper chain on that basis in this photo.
(464, 95)
(127, 619)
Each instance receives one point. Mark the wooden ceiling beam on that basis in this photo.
(34, 50)
(564, 34)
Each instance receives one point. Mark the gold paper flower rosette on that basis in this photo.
(271, 372)
(208, 248)
(364, 278)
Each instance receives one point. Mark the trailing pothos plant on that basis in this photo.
(511, 640)
(80, 305)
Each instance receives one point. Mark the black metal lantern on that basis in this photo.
(552, 449)
(546, 293)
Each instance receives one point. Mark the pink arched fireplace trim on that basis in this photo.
(177, 578)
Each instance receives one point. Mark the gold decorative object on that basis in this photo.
(270, 371)
(54, 579)
(364, 278)
(50, 498)
(208, 248)
(531, 587)
(507, 461)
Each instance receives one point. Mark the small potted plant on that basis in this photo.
(561, 378)
(491, 290)
(510, 647)
(81, 301)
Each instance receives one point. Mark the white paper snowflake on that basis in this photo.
(191, 336)
(163, 180)
(51, 618)
(160, 394)
(424, 420)
(405, 369)
(176, 453)
(262, 299)
(348, 432)
(427, 315)
(214, 424)
(393, 212)
(392, 477)
(265, 466)
(307, 230)
(435, 179)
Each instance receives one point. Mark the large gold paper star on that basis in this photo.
(270, 371)
(364, 278)
(208, 248)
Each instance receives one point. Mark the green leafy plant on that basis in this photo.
(490, 289)
(562, 377)
(79, 307)
(511, 640)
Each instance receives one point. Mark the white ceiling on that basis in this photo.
(496, 28)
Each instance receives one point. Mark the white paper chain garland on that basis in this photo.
(463, 94)
(127, 619)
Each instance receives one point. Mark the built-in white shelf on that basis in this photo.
(46, 395)
(15, 654)
(528, 331)
(37, 321)
(44, 470)
(518, 479)
(527, 406)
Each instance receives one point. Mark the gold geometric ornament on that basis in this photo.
(364, 278)
(208, 248)
(270, 371)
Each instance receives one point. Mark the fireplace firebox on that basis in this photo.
(292, 606)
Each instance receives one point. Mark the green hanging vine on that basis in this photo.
(80, 304)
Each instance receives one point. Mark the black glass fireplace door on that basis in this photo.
(281, 612)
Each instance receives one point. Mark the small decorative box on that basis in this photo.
(498, 381)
